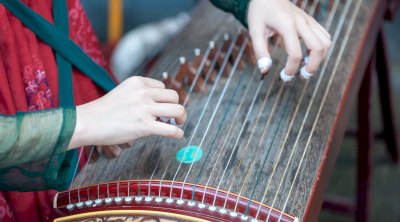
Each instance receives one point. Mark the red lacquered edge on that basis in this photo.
(184, 209)
(339, 127)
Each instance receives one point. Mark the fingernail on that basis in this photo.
(305, 60)
(285, 77)
(263, 69)
(304, 73)
(264, 63)
(263, 75)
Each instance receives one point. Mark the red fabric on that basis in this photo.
(29, 81)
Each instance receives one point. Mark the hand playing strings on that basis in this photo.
(127, 113)
(268, 17)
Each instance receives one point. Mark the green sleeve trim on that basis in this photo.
(56, 174)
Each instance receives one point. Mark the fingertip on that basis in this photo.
(181, 120)
(264, 64)
(304, 73)
(177, 133)
(285, 77)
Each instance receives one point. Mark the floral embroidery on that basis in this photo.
(37, 89)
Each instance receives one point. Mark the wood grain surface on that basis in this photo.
(206, 24)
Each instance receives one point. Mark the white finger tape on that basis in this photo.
(170, 120)
(306, 60)
(264, 62)
(285, 77)
(304, 73)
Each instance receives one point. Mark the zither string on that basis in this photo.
(230, 128)
(199, 70)
(339, 57)
(275, 48)
(76, 168)
(217, 106)
(84, 171)
(334, 40)
(229, 133)
(241, 190)
(241, 130)
(194, 81)
(291, 123)
(223, 119)
(248, 113)
(207, 102)
(191, 112)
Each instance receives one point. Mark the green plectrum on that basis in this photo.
(190, 154)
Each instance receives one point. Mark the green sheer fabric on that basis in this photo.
(33, 146)
(237, 7)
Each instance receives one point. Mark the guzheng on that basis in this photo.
(252, 149)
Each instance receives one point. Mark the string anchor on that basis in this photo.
(233, 214)
(158, 199)
(98, 201)
(118, 200)
(212, 208)
(138, 199)
(222, 211)
(108, 200)
(128, 199)
(70, 206)
(180, 202)
(244, 217)
(79, 204)
(201, 206)
(170, 200)
(191, 203)
(148, 199)
(88, 203)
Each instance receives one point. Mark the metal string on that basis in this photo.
(269, 149)
(287, 102)
(217, 106)
(334, 40)
(129, 180)
(241, 130)
(208, 100)
(290, 126)
(226, 112)
(224, 28)
(98, 184)
(229, 131)
(191, 88)
(76, 168)
(192, 111)
(91, 177)
(248, 143)
(173, 64)
(155, 171)
(184, 104)
(275, 48)
(148, 159)
(84, 171)
(345, 39)
(258, 147)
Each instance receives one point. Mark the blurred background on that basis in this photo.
(132, 32)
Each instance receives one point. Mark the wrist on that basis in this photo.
(79, 137)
